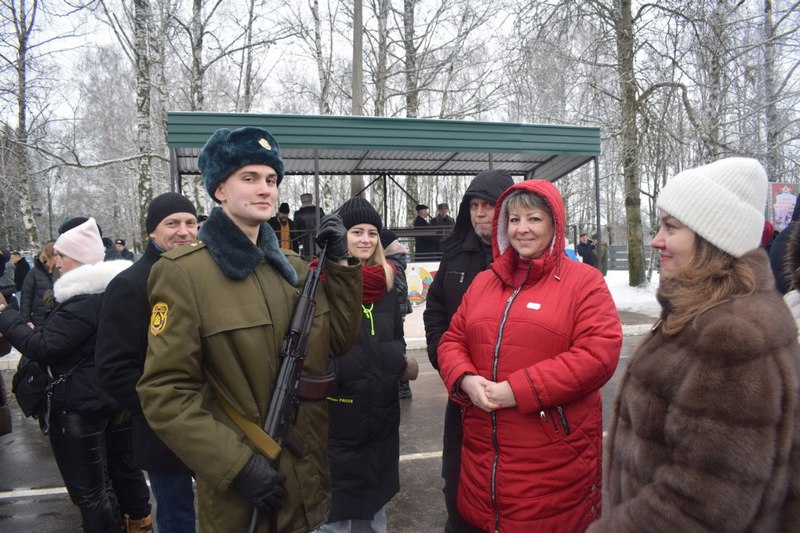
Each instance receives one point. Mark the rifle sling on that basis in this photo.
(257, 436)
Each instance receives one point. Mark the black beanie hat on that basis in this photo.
(284, 208)
(387, 237)
(229, 150)
(164, 205)
(359, 211)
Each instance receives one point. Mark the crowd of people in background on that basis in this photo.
(170, 365)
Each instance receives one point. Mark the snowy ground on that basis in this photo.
(633, 299)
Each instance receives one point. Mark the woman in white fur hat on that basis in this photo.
(79, 412)
(705, 434)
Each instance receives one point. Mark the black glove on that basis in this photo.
(332, 233)
(261, 485)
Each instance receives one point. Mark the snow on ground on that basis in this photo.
(633, 299)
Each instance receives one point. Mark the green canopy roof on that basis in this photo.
(342, 145)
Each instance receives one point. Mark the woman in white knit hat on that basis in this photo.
(79, 411)
(705, 434)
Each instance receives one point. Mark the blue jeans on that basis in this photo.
(376, 525)
(174, 501)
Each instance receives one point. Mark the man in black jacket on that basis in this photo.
(121, 350)
(465, 252)
(21, 269)
(305, 225)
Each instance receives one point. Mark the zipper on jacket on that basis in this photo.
(494, 472)
(563, 419)
(496, 460)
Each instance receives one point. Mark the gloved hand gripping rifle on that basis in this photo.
(285, 400)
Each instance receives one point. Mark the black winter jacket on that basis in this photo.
(37, 283)
(21, 269)
(364, 430)
(68, 337)
(463, 256)
(777, 253)
(121, 351)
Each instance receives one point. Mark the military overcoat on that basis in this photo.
(219, 318)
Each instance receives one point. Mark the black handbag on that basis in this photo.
(33, 386)
(30, 385)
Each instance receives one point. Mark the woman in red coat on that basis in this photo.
(534, 339)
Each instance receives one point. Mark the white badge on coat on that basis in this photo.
(534, 305)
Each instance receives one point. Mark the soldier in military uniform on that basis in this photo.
(220, 309)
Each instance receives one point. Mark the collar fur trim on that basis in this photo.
(235, 254)
(87, 279)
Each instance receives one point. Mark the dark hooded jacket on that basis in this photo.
(464, 254)
(777, 252)
(550, 329)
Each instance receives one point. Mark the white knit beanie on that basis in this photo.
(723, 202)
(82, 243)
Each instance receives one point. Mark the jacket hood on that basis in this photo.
(488, 185)
(87, 279)
(505, 257)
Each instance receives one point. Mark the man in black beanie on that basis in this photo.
(120, 354)
(465, 252)
(284, 229)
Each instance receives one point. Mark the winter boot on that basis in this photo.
(141, 525)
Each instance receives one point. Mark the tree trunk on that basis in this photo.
(323, 65)
(774, 159)
(412, 91)
(24, 28)
(143, 144)
(196, 82)
(630, 147)
(357, 181)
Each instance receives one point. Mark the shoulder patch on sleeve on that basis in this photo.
(185, 249)
(158, 320)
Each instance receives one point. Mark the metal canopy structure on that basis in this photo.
(347, 145)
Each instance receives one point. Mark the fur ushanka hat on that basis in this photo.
(229, 150)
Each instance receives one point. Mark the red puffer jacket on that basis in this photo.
(556, 339)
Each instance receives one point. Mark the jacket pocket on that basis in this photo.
(247, 315)
(554, 423)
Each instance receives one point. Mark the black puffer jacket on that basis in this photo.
(36, 284)
(121, 350)
(364, 434)
(463, 256)
(68, 336)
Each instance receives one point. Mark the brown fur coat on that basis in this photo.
(705, 434)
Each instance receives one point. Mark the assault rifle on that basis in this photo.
(285, 400)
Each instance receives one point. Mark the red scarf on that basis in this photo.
(373, 283)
